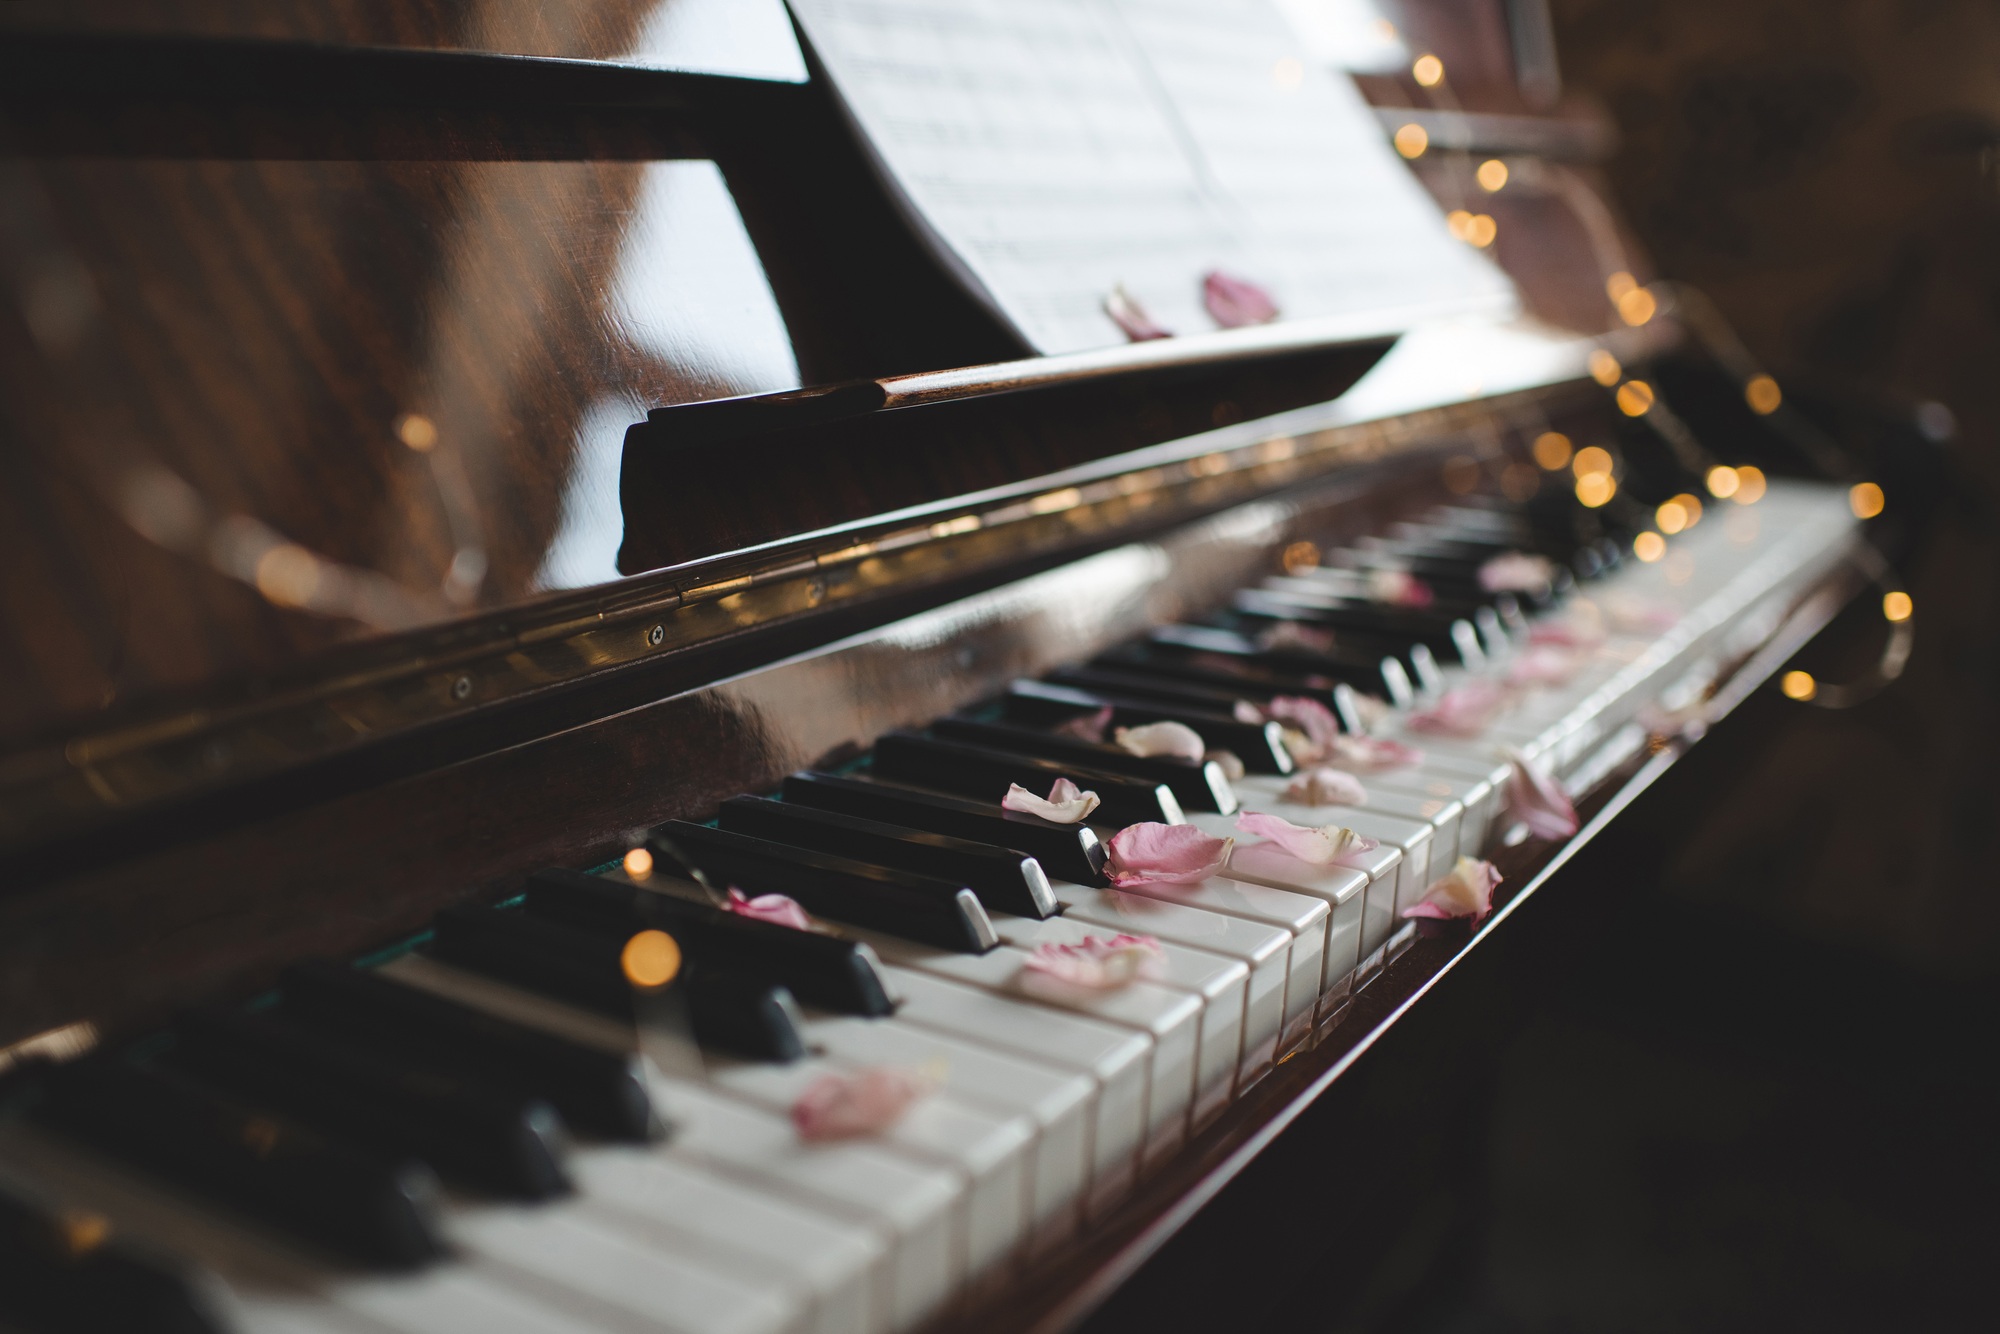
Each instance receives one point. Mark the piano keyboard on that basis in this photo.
(461, 1138)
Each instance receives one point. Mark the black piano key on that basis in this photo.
(348, 1200)
(925, 908)
(743, 1016)
(1004, 880)
(599, 1092)
(1452, 636)
(1259, 745)
(1257, 682)
(1171, 681)
(1256, 612)
(1199, 785)
(1368, 667)
(978, 771)
(484, 1136)
(1070, 851)
(68, 1270)
(831, 972)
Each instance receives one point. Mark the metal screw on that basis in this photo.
(461, 688)
(657, 635)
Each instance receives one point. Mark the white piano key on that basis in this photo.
(1060, 1102)
(1219, 981)
(1348, 892)
(1172, 1019)
(1118, 1059)
(745, 1231)
(913, 1203)
(990, 1150)
(1265, 950)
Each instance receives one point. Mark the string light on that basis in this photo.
(1552, 450)
(1897, 606)
(1592, 459)
(1618, 284)
(1300, 557)
(1604, 368)
(1865, 499)
(638, 864)
(1692, 504)
(651, 959)
(417, 431)
(1637, 306)
(1412, 139)
(1459, 223)
(1672, 517)
(1635, 398)
(1722, 482)
(1492, 175)
(1595, 489)
(1799, 686)
(1749, 485)
(1482, 230)
(1763, 395)
(1649, 546)
(1428, 70)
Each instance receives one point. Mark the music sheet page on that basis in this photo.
(1066, 148)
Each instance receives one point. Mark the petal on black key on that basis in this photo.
(1071, 851)
(483, 1135)
(382, 1213)
(750, 1017)
(1005, 881)
(1199, 785)
(597, 1091)
(1260, 746)
(67, 1269)
(832, 972)
(979, 771)
(918, 907)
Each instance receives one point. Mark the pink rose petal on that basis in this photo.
(1131, 317)
(1537, 799)
(1168, 738)
(1399, 588)
(1517, 572)
(1542, 665)
(1097, 963)
(1320, 845)
(867, 1102)
(1234, 302)
(1065, 804)
(1164, 854)
(1465, 710)
(773, 908)
(1298, 635)
(1229, 762)
(1326, 787)
(1310, 727)
(1466, 892)
(1371, 754)
(1086, 726)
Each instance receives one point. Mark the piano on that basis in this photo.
(540, 540)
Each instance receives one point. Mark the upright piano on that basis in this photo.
(540, 539)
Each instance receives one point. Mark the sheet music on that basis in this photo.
(1066, 147)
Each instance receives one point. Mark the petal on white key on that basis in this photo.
(1320, 844)
(1149, 853)
(1397, 870)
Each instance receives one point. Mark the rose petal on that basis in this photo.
(1229, 762)
(1131, 317)
(1371, 754)
(1088, 726)
(1164, 854)
(1537, 799)
(1098, 963)
(867, 1102)
(773, 908)
(1169, 738)
(1542, 665)
(1399, 588)
(1373, 710)
(1234, 302)
(1517, 572)
(1462, 711)
(1320, 845)
(1466, 892)
(1298, 635)
(1310, 727)
(1326, 787)
(1065, 804)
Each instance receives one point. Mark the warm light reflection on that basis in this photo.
(1897, 606)
(1428, 70)
(1492, 175)
(1412, 139)
(1300, 557)
(1459, 223)
(1288, 73)
(1865, 499)
(1692, 504)
(651, 959)
(1595, 489)
(1672, 517)
(1618, 284)
(1637, 306)
(1798, 685)
(1482, 230)
(1552, 449)
(1592, 459)
(1635, 398)
(417, 431)
(1749, 485)
(1722, 482)
(639, 863)
(288, 575)
(1649, 547)
(1763, 395)
(83, 1231)
(1604, 368)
